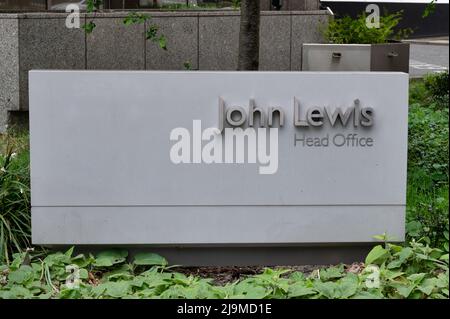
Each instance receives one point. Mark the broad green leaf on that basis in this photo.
(416, 278)
(435, 253)
(297, 276)
(327, 289)
(369, 294)
(149, 259)
(332, 273)
(395, 248)
(391, 275)
(401, 258)
(181, 279)
(380, 237)
(377, 255)
(145, 293)
(45, 296)
(69, 252)
(414, 228)
(427, 286)
(99, 289)
(245, 289)
(117, 289)
(152, 32)
(442, 280)
(118, 272)
(82, 261)
(120, 276)
(162, 42)
(174, 292)
(19, 292)
(415, 294)
(348, 286)
(110, 257)
(405, 290)
(88, 27)
(70, 294)
(299, 289)
(18, 259)
(83, 273)
(138, 281)
(21, 275)
(58, 259)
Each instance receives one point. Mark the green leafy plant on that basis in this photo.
(15, 218)
(427, 189)
(429, 9)
(162, 41)
(427, 214)
(135, 18)
(187, 65)
(89, 27)
(415, 271)
(347, 30)
(437, 85)
(390, 271)
(91, 6)
(152, 32)
(428, 131)
(428, 145)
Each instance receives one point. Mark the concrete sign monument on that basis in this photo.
(217, 158)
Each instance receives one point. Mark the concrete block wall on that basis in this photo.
(206, 40)
(293, 5)
(9, 68)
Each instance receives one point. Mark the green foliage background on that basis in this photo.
(427, 197)
(348, 30)
(415, 271)
(15, 219)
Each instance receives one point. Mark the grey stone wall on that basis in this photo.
(293, 5)
(9, 68)
(206, 40)
(46, 43)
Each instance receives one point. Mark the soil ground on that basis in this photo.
(229, 274)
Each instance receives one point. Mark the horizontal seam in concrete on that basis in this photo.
(215, 245)
(343, 244)
(222, 205)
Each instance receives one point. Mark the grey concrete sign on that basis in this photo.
(149, 157)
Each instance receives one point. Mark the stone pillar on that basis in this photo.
(9, 67)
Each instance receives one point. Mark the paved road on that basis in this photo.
(426, 58)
